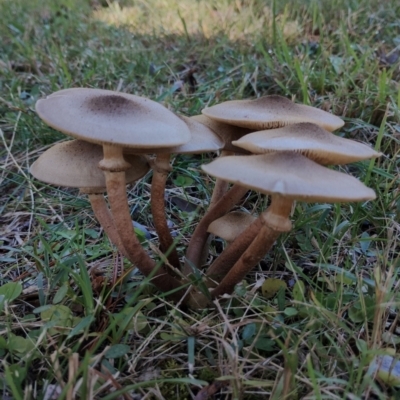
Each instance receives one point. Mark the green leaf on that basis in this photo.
(10, 291)
(14, 375)
(290, 311)
(362, 345)
(66, 234)
(299, 290)
(59, 318)
(360, 312)
(271, 287)
(140, 322)
(81, 326)
(356, 314)
(56, 312)
(93, 233)
(173, 338)
(365, 242)
(29, 318)
(3, 342)
(259, 384)
(249, 331)
(182, 181)
(337, 63)
(263, 343)
(39, 310)
(20, 345)
(117, 351)
(60, 294)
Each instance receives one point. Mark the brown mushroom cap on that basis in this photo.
(290, 175)
(226, 132)
(107, 117)
(310, 140)
(75, 164)
(202, 140)
(270, 112)
(231, 225)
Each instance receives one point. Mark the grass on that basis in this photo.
(78, 321)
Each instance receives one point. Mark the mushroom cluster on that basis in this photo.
(270, 145)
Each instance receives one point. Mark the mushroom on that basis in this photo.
(202, 140)
(305, 138)
(116, 121)
(265, 112)
(198, 246)
(270, 112)
(199, 237)
(225, 131)
(286, 177)
(231, 225)
(310, 140)
(74, 164)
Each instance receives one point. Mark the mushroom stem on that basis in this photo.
(221, 266)
(113, 160)
(274, 221)
(114, 166)
(221, 186)
(105, 219)
(137, 255)
(161, 168)
(200, 235)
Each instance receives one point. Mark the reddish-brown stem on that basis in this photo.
(161, 168)
(137, 255)
(253, 254)
(200, 235)
(221, 266)
(105, 219)
(278, 211)
(220, 188)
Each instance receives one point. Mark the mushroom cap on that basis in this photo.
(75, 164)
(202, 140)
(270, 112)
(226, 132)
(310, 140)
(290, 175)
(231, 225)
(107, 117)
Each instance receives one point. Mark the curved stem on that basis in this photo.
(279, 210)
(221, 266)
(115, 182)
(200, 235)
(103, 215)
(161, 168)
(220, 188)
